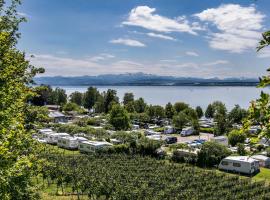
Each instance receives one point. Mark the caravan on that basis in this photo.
(53, 138)
(240, 164)
(187, 131)
(93, 146)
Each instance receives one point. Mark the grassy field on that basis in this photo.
(263, 175)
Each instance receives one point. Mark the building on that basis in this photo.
(264, 161)
(240, 164)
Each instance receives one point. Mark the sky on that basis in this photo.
(183, 38)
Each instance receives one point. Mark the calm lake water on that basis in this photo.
(194, 96)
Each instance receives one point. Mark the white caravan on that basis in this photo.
(221, 140)
(53, 138)
(187, 131)
(92, 146)
(44, 133)
(240, 164)
(68, 142)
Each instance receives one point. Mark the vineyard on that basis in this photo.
(136, 177)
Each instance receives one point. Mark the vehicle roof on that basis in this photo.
(260, 157)
(240, 158)
(96, 143)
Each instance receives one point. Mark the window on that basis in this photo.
(224, 163)
(236, 164)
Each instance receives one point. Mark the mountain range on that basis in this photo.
(142, 79)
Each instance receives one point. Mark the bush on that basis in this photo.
(207, 130)
(179, 156)
(241, 149)
(268, 151)
(235, 137)
(212, 153)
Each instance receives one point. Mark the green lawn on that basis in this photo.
(263, 175)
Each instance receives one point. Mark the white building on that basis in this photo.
(221, 140)
(187, 131)
(264, 161)
(92, 146)
(240, 164)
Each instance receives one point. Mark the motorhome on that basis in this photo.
(68, 142)
(264, 161)
(93, 146)
(240, 164)
(187, 131)
(53, 138)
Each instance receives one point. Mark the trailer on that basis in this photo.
(44, 133)
(264, 161)
(53, 138)
(187, 131)
(240, 164)
(68, 142)
(93, 146)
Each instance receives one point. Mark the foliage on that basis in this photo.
(141, 117)
(140, 105)
(110, 98)
(90, 97)
(128, 98)
(156, 111)
(268, 151)
(241, 149)
(16, 150)
(36, 115)
(169, 110)
(221, 126)
(119, 118)
(199, 111)
(180, 106)
(212, 153)
(236, 137)
(237, 114)
(76, 97)
(209, 112)
(180, 120)
(118, 176)
(206, 130)
(72, 107)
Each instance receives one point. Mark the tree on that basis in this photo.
(99, 105)
(36, 115)
(237, 114)
(209, 112)
(72, 107)
(43, 95)
(236, 137)
(90, 97)
(191, 113)
(169, 110)
(16, 149)
(110, 99)
(60, 96)
(76, 97)
(180, 120)
(128, 98)
(241, 149)
(155, 111)
(119, 118)
(199, 111)
(221, 125)
(130, 107)
(219, 108)
(140, 105)
(212, 153)
(180, 106)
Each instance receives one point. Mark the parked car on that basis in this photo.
(171, 140)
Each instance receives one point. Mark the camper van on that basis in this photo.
(68, 142)
(53, 138)
(92, 146)
(187, 131)
(168, 130)
(240, 164)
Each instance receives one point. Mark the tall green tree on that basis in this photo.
(90, 97)
(60, 96)
(110, 99)
(128, 98)
(140, 105)
(169, 110)
(209, 112)
(199, 111)
(76, 97)
(119, 118)
(180, 106)
(180, 120)
(16, 149)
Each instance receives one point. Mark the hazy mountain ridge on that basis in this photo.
(144, 80)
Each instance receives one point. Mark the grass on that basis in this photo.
(263, 175)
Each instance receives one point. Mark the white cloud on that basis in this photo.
(144, 16)
(168, 60)
(128, 42)
(264, 53)
(217, 62)
(165, 37)
(22, 14)
(238, 27)
(101, 57)
(192, 53)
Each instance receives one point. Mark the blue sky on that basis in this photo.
(191, 38)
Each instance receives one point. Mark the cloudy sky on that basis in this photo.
(191, 38)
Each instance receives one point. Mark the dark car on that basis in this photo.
(171, 140)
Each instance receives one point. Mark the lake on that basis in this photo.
(193, 95)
